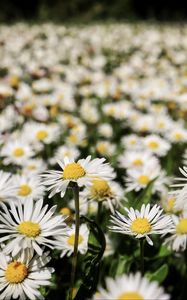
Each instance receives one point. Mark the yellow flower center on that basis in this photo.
(170, 204)
(153, 145)
(130, 296)
(143, 179)
(16, 272)
(73, 171)
(101, 148)
(137, 163)
(141, 226)
(41, 135)
(178, 135)
(24, 190)
(18, 152)
(133, 142)
(181, 227)
(71, 239)
(65, 211)
(29, 229)
(100, 189)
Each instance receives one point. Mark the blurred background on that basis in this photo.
(92, 10)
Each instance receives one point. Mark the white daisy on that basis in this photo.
(22, 276)
(7, 188)
(101, 190)
(83, 172)
(156, 145)
(34, 166)
(29, 226)
(178, 240)
(28, 186)
(66, 243)
(136, 159)
(63, 151)
(131, 287)
(142, 223)
(16, 152)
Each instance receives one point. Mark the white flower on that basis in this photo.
(28, 186)
(142, 223)
(63, 151)
(131, 287)
(105, 191)
(22, 276)
(105, 148)
(34, 166)
(178, 240)
(66, 243)
(156, 145)
(7, 188)
(29, 226)
(16, 152)
(136, 159)
(83, 172)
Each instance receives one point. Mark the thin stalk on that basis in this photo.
(142, 255)
(99, 209)
(76, 242)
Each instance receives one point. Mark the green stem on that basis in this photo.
(99, 211)
(142, 255)
(76, 242)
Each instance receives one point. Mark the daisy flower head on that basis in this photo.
(143, 223)
(16, 152)
(66, 243)
(136, 159)
(29, 225)
(178, 239)
(131, 287)
(106, 191)
(82, 172)
(7, 187)
(28, 186)
(156, 145)
(22, 276)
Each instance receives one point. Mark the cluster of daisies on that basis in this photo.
(79, 106)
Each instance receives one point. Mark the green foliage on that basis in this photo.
(96, 247)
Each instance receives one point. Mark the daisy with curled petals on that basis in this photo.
(142, 223)
(29, 225)
(22, 276)
(131, 287)
(82, 172)
(7, 188)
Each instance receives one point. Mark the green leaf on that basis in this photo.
(159, 275)
(96, 248)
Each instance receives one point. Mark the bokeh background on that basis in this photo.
(89, 10)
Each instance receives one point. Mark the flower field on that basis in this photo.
(93, 162)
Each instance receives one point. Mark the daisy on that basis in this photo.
(34, 166)
(136, 159)
(156, 145)
(28, 186)
(62, 151)
(104, 191)
(41, 133)
(178, 239)
(66, 243)
(142, 223)
(82, 172)
(131, 287)
(177, 134)
(7, 188)
(105, 148)
(138, 179)
(22, 276)
(16, 152)
(29, 225)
